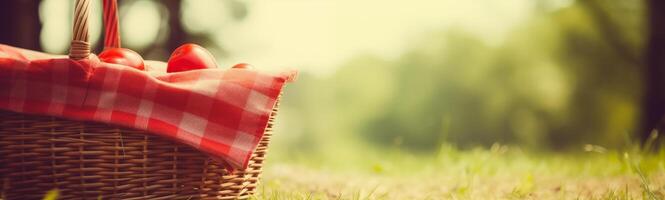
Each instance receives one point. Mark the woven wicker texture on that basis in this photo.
(85, 160)
(80, 46)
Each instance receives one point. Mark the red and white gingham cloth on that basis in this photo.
(222, 112)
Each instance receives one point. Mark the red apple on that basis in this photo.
(190, 57)
(243, 66)
(122, 56)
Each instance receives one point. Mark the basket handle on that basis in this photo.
(111, 28)
(80, 46)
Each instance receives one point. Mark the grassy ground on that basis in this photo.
(500, 172)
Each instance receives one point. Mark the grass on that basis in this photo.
(500, 172)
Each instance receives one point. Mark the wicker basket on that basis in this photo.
(87, 160)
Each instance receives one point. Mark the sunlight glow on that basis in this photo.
(203, 16)
(55, 36)
(57, 17)
(140, 23)
(317, 36)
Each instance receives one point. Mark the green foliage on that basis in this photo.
(557, 81)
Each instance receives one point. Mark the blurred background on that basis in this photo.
(410, 76)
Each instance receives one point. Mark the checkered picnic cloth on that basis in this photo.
(222, 112)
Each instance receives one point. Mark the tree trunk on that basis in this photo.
(20, 24)
(177, 35)
(653, 108)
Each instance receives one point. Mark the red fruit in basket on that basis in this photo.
(242, 66)
(190, 57)
(122, 56)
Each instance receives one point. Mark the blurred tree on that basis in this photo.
(20, 24)
(611, 30)
(177, 35)
(443, 78)
(564, 78)
(601, 47)
(654, 96)
(652, 64)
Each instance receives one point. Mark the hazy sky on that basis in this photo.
(317, 35)
(311, 35)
